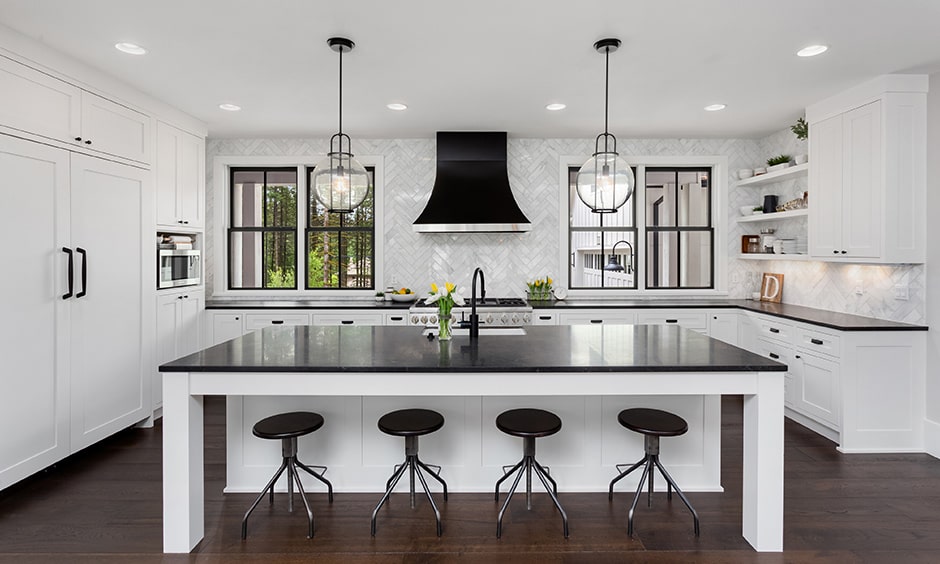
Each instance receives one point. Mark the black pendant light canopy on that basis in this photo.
(605, 182)
(339, 181)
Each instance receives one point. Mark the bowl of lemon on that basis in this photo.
(404, 295)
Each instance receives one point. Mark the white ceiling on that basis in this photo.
(490, 64)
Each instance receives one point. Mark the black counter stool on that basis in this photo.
(287, 427)
(411, 424)
(529, 424)
(653, 424)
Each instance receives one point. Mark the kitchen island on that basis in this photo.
(354, 364)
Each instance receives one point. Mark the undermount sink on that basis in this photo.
(458, 331)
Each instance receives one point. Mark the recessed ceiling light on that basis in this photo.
(396, 106)
(130, 48)
(555, 107)
(715, 107)
(812, 50)
(230, 107)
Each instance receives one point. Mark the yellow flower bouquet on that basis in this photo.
(540, 289)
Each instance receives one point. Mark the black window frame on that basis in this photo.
(656, 230)
(232, 229)
(601, 228)
(339, 230)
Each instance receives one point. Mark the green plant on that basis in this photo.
(779, 159)
(758, 208)
(800, 129)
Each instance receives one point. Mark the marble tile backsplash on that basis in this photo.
(414, 259)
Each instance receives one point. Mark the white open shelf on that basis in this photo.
(772, 256)
(776, 176)
(773, 216)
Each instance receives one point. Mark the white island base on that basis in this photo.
(469, 448)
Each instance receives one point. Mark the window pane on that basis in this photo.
(662, 260)
(588, 259)
(264, 198)
(247, 203)
(677, 198)
(323, 260)
(582, 216)
(661, 198)
(694, 197)
(356, 270)
(362, 216)
(262, 260)
(280, 208)
(695, 263)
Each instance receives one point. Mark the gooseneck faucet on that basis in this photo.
(474, 318)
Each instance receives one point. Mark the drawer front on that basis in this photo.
(687, 320)
(595, 317)
(773, 329)
(544, 317)
(255, 321)
(817, 342)
(396, 318)
(781, 353)
(350, 318)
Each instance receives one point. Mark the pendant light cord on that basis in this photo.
(341, 93)
(606, 91)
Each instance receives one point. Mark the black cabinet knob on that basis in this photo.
(78, 138)
(88, 141)
(844, 252)
(835, 252)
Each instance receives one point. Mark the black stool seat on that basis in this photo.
(528, 422)
(411, 422)
(653, 422)
(287, 425)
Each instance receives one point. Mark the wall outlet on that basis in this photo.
(902, 292)
(859, 288)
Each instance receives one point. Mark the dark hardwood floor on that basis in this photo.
(104, 505)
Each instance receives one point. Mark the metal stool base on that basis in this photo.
(290, 463)
(414, 466)
(649, 461)
(526, 466)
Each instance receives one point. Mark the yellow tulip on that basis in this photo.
(433, 287)
(450, 287)
(549, 279)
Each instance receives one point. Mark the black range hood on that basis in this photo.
(471, 191)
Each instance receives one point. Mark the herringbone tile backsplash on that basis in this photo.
(416, 259)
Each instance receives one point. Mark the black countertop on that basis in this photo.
(582, 348)
(823, 318)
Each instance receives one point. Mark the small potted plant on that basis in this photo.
(778, 163)
(800, 129)
(757, 210)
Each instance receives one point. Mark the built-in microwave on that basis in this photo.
(178, 268)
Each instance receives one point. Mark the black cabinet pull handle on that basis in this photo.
(84, 254)
(545, 317)
(774, 356)
(277, 322)
(396, 318)
(774, 330)
(78, 138)
(68, 251)
(179, 297)
(844, 252)
(597, 321)
(672, 321)
(88, 141)
(347, 322)
(816, 341)
(797, 356)
(835, 252)
(237, 318)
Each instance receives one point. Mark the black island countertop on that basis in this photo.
(579, 348)
(813, 316)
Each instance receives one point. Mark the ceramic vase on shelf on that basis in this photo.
(443, 324)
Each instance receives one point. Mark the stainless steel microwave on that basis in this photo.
(178, 268)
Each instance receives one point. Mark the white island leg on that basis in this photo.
(762, 519)
(183, 485)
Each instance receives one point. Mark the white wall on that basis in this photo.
(416, 259)
(932, 395)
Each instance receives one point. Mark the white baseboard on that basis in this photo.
(932, 438)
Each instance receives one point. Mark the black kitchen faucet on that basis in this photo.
(474, 318)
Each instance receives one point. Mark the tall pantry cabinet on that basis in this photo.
(75, 342)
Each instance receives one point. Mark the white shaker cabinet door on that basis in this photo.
(34, 339)
(180, 178)
(108, 388)
(825, 196)
(115, 129)
(862, 175)
(34, 102)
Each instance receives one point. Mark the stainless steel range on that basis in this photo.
(503, 312)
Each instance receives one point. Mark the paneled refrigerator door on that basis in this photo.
(111, 382)
(34, 407)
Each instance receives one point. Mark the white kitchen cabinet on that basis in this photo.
(817, 387)
(782, 353)
(689, 319)
(39, 104)
(400, 318)
(180, 170)
(34, 340)
(110, 378)
(544, 317)
(256, 321)
(596, 317)
(867, 183)
(225, 326)
(723, 326)
(179, 315)
(349, 318)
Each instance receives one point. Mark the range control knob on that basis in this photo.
(432, 319)
(489, 318)
(526, 318)
(504, 318)
(414, 319)
(424, 319)
(515, 319)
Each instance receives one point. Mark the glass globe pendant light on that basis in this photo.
(605, 182)
(339, 181)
